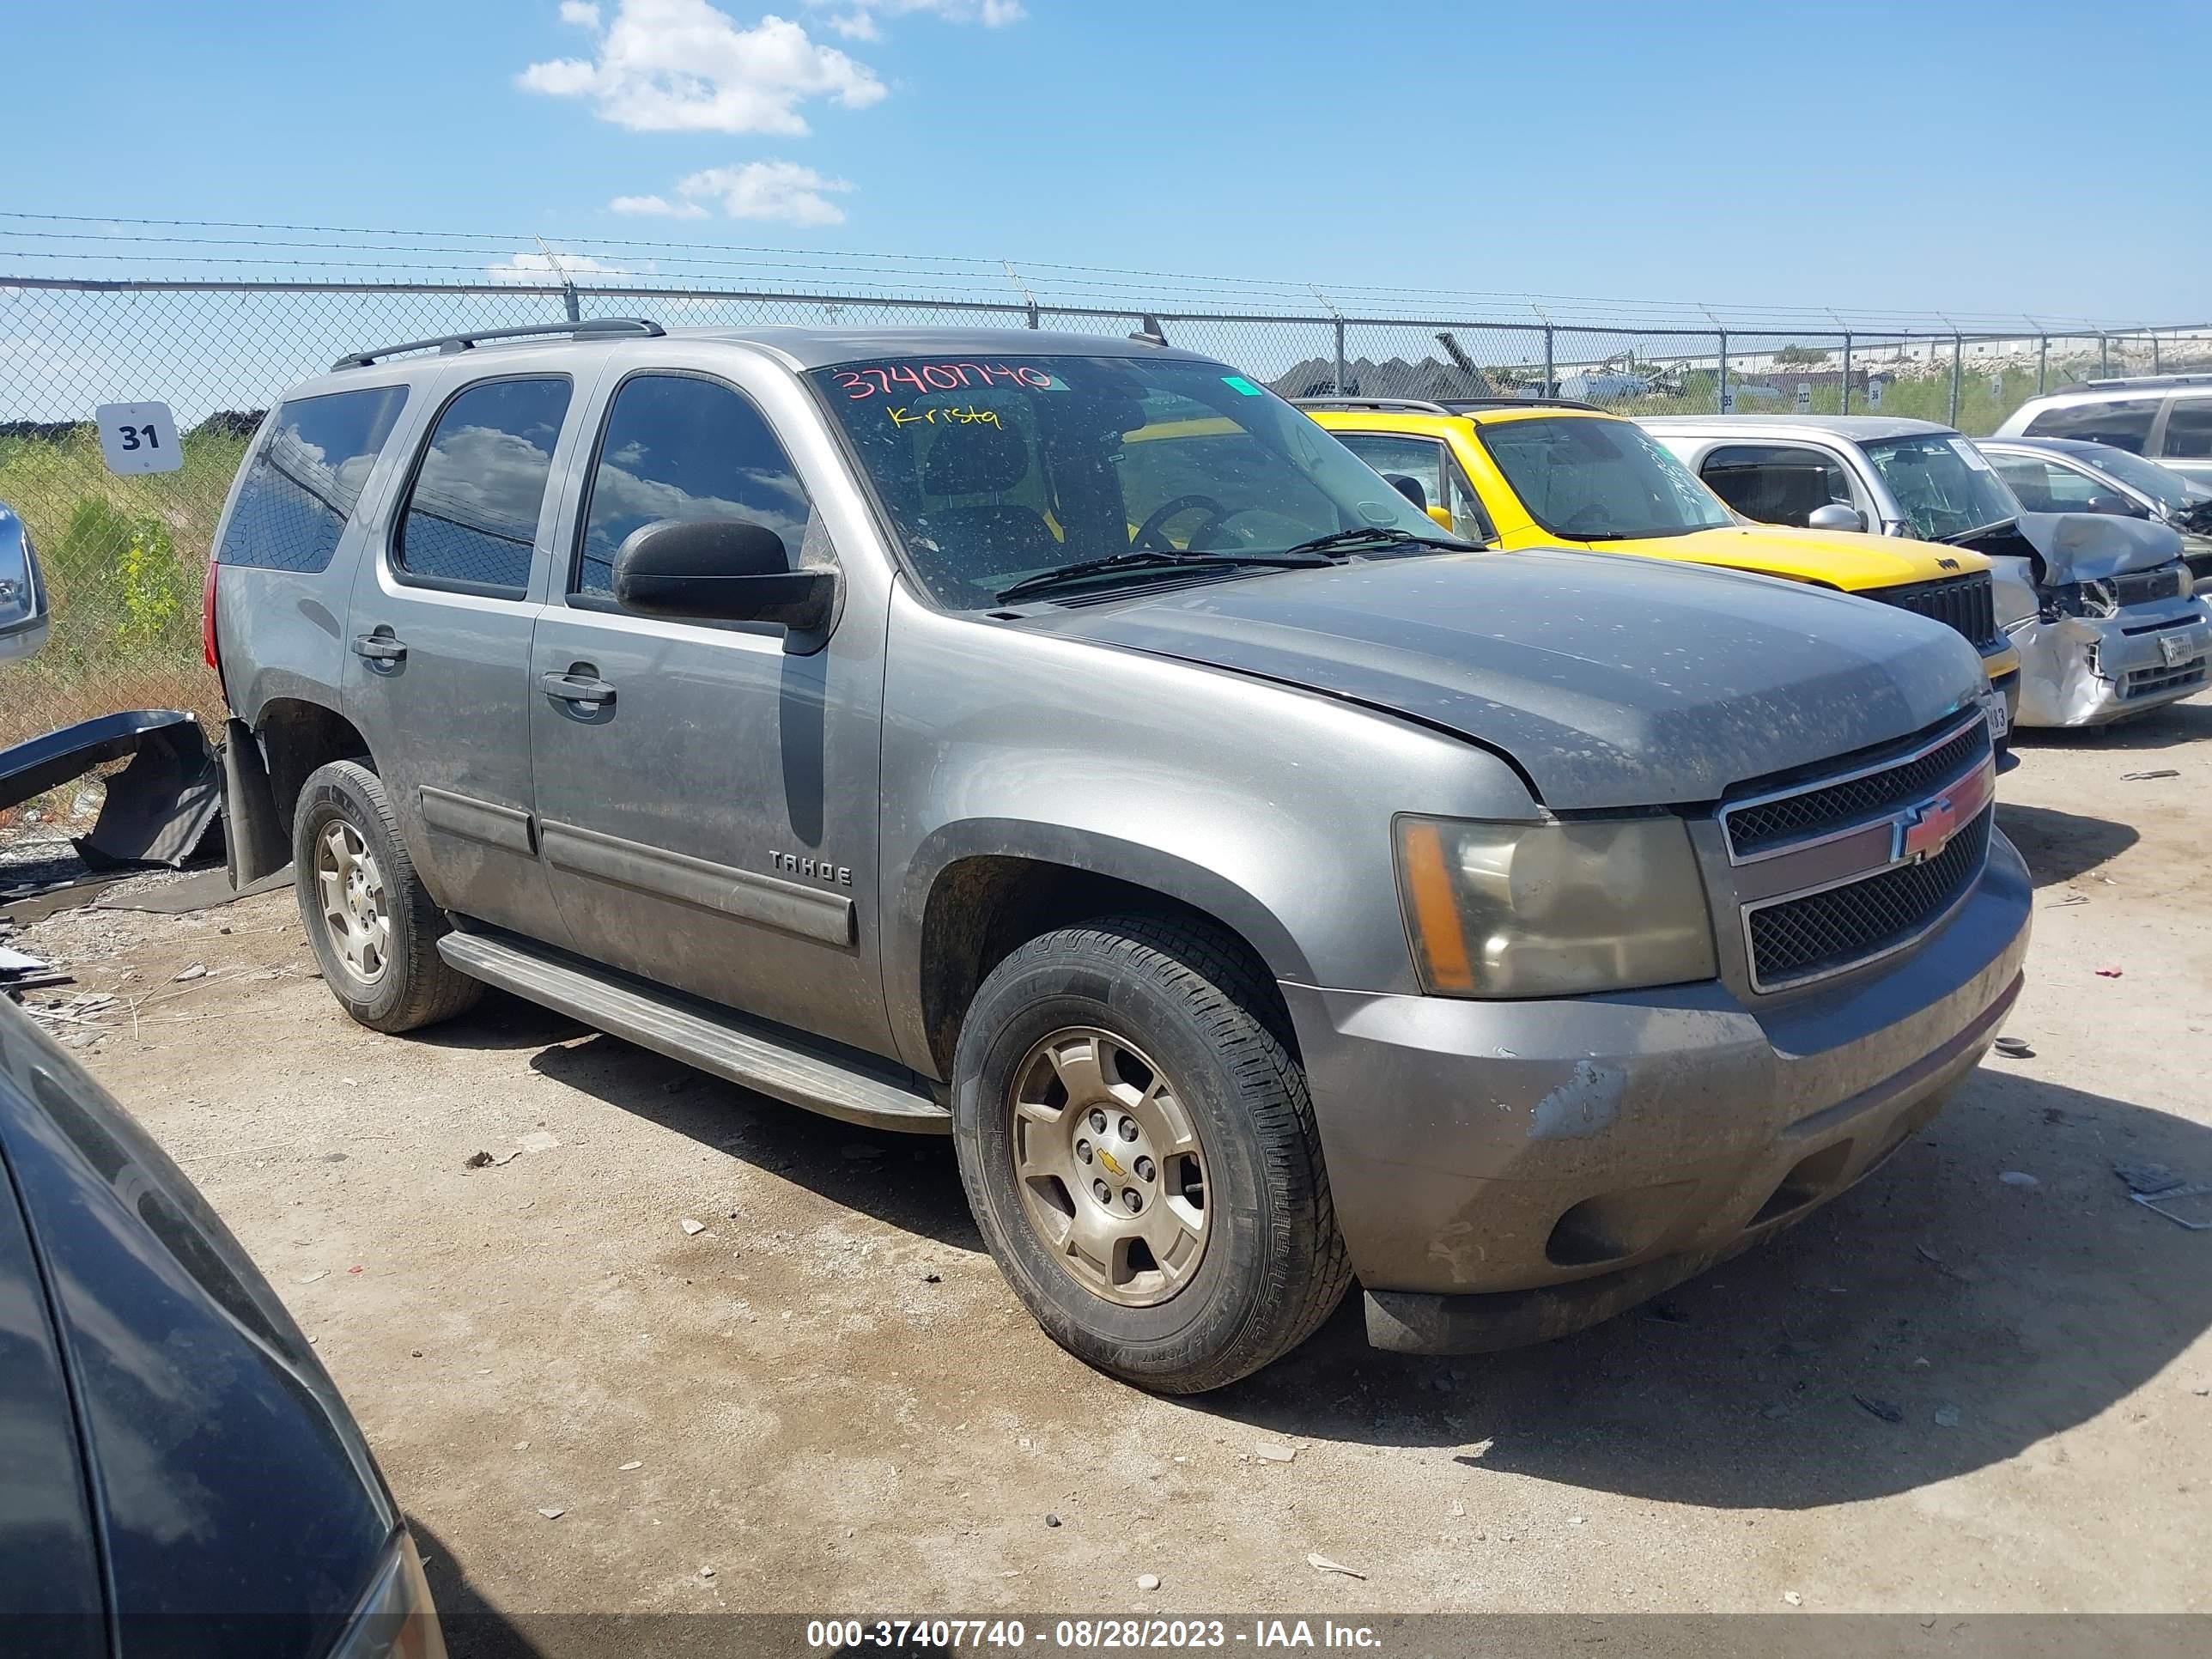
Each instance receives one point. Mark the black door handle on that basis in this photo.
(379, 647)
(576, 688)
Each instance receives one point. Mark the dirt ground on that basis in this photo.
(828, 1397)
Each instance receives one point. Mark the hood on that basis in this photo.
(228, 1483)
(1852, 562)
(2079, 547)
(1612, 682)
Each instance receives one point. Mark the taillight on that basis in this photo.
(206, 620)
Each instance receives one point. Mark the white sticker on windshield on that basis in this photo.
(1970, 455)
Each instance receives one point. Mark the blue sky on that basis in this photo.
(1980, 156)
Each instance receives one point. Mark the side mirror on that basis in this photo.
(1409, 488)
(1443, 518)
(1835, 515)
(2118, 506)
(720, 570)
(23, 619)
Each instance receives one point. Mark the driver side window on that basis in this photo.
(1776, 483)
(2045, 486)
(681, 447)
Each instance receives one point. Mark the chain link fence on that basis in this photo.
(125, 557)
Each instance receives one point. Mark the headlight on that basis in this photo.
(395, 1620)
(2089, 599)
(1552, 910)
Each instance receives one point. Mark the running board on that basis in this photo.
(747, 1052)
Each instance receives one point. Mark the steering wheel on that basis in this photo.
(1157, 517)
(1591, 519)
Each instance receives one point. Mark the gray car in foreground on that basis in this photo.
(1063, 745)
(2098, 604)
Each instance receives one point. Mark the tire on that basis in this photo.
(1174, 1013)
(410, 984)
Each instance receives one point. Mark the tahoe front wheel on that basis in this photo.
(1138, 1148)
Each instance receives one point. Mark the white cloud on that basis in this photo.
(657, 207)
(553, 267)
(781, 190)
(684, 66)
(859, 22)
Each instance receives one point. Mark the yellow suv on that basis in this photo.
(1551, 473)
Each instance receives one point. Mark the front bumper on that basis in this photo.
(2090, 671)
(1507, 1172)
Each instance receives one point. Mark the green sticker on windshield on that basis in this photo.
(1239, 383)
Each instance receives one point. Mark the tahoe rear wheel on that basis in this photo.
(374, 930)
(1138, 1148)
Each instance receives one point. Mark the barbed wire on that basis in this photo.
(278, 245)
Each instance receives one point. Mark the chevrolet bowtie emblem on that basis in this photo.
(1107, 1159)
(1926, 830)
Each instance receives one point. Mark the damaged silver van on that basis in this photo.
(2098, 604)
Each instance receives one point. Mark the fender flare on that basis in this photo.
(1170, 875)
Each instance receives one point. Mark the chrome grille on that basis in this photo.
(1967, 604)
(1799, 939)
(1819, 808)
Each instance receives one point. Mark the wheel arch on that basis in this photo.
(265, 765)
(976, 890)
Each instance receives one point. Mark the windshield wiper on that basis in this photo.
(1957, 536)
(1340, 541)
(1151, 559)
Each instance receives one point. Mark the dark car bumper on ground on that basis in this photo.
(1506, 1172)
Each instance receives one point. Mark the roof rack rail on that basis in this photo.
(1417, 405)
(2149, 379)
(629, 327)
(1445, 405)
(1460, 405)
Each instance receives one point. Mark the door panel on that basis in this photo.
(705, 818)
(438, 648)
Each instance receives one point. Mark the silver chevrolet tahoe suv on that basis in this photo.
(1064, 744)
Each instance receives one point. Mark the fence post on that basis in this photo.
(2103, 355)
(568, 302)
(1551, 374)
(1720, 400)
(1847, 371)
(2156, 367)
(2042, 361)
(1958, 367)
(1339, 357)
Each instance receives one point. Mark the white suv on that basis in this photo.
(2167, 418)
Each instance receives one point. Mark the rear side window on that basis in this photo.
(472, 515)
(2122, 422)
(306, 479)
(2189, 429)
(676, 447)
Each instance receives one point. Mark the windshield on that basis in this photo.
(1600, 480)
(995, 468)
(1942, 484)
(2169, 490)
